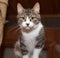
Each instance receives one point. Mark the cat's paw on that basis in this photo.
(26, 56)
(35, 56)
(18, 57)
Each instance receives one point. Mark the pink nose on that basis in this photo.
(27, 24)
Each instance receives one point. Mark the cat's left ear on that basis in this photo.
(36, 7)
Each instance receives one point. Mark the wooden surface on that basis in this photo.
(47, 6)
(52, 38)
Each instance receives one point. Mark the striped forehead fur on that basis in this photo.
(29, 12)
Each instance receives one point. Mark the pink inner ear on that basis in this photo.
(19, 8)
(36, 7)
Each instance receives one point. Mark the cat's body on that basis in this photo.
(31, 42)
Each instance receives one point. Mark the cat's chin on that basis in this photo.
(27, 29)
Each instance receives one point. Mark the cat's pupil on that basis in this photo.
(32, 17)
(23, 17)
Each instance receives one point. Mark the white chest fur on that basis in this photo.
(30, 37)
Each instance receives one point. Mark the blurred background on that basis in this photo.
(50, 13)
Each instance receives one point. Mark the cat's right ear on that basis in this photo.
(19, 8)
(36, 8)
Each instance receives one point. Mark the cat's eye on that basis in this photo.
(22, 17)
(32, 17)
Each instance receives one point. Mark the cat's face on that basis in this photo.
(28, 19)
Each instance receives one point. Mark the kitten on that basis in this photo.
(31, 42)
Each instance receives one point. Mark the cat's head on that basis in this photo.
(28, 19)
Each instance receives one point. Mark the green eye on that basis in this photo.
(22, 17)
(32, 17)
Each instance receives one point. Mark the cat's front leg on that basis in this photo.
(38, 49)
(24, 52)
(36, 53)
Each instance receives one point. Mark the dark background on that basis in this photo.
(47, 6)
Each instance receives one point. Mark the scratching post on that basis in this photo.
(3, 9)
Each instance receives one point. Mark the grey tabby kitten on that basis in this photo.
(31, 42)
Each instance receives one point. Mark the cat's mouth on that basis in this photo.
(27, 29)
